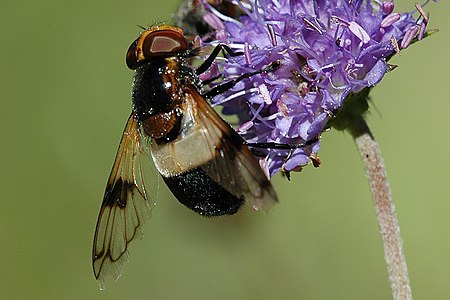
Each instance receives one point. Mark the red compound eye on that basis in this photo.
(156, 42)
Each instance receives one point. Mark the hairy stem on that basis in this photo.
(384, 208)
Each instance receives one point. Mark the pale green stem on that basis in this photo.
(384, 208)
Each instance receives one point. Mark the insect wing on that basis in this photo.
(234, 166)
(125, 205)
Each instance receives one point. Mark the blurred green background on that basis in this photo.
(65, 97)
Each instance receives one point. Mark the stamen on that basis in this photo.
(247, 55)
(272, 36)
(244, 127)
(352, 73)
(313, 26)
(329, 66)
(423, 27)
(246, 9)
(410, 34)
(243, 4)
(395, 44)
(354, 27)
(264, 120)
(421, 12)
(390, 19)
(269, 118)
(213, 21)
(235, 95)
(237, 46)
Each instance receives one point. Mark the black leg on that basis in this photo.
(272, 145)
(229, 84)
(208, 81)
(207, 63)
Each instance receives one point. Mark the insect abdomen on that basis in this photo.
(198, 191)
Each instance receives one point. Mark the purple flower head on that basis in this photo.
(328, 50)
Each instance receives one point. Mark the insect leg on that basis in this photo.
(208, 81)
(229, 84)
(273, 145)
(207, 63)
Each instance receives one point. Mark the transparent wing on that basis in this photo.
(125, 205)
(233, 166)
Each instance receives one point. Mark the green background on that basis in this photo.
(65, 97)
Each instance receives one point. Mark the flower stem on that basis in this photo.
(384, 208)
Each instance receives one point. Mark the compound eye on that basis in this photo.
(132, 56)
(163, 43)
(160, 41)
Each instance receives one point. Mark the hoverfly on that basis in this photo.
(204, 162)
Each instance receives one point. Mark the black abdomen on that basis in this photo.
(196, 190)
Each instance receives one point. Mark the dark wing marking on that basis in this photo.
(233, 166)
(125, 205)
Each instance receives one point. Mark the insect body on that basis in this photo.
(202, 160)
